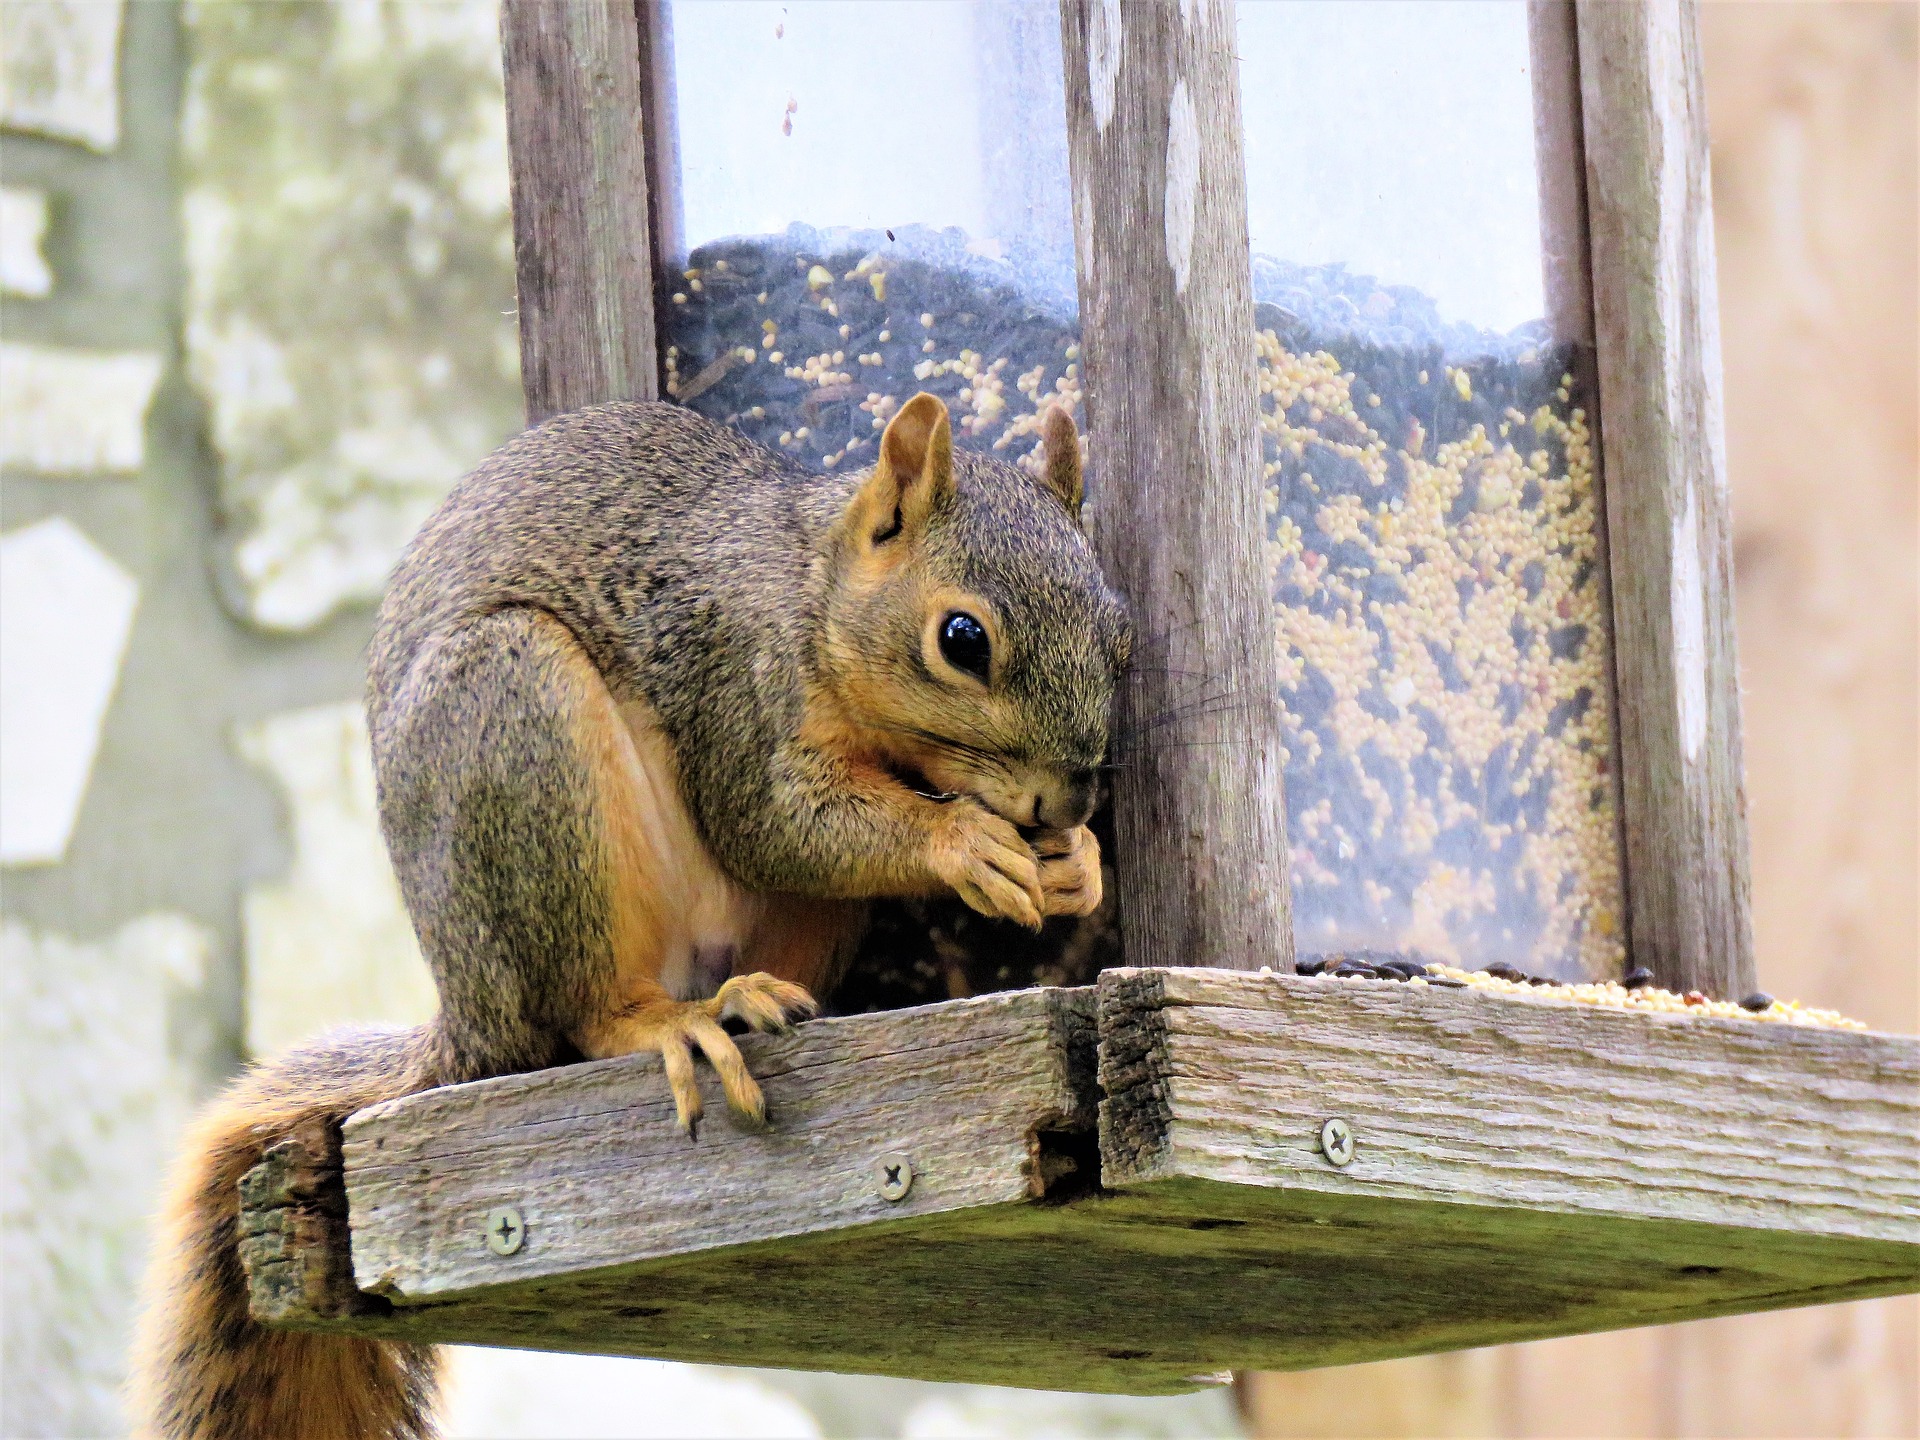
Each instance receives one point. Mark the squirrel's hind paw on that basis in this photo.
(764, 1003)
(673, 1028)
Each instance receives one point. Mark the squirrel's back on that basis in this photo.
(638, 525)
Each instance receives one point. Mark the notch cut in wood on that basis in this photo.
(1121, 1188)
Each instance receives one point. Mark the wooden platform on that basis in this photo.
(1122, 1188)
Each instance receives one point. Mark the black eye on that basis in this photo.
(964, 643)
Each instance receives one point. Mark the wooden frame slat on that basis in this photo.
(1522, 1168)
(1553, 49)
(580, 217)
(660, 120)
(962, 1089)
(1166, 307)
(1650, 216)
(1540, 1105)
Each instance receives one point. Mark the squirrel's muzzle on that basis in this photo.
(1066, 803)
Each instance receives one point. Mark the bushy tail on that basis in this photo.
(202, 1368)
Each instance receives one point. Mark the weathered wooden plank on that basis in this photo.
(1470, 1099)
(1516, 1177)
(1160, 216)
(1560, 157)
(294, 1243)
(592, 1162)
(1658, 347)
(580, 222)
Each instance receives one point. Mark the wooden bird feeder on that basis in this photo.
(1436, 660)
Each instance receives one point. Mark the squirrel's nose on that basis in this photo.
(1069, 805)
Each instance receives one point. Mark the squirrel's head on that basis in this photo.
(968, 632)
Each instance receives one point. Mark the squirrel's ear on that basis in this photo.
(914, 473)
(1060, 470)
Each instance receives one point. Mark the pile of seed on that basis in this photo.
(1634, 991)
(810, 353)
(1445, 652)
(1339, 304)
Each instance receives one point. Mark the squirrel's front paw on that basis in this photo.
(987, 864)
(1069, 871)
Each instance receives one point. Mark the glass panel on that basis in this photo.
(875, 202)
(1438, 579)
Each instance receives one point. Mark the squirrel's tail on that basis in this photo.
(202, 1368)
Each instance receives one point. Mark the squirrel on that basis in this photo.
(654, 713)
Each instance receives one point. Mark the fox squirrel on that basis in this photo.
(653, 713)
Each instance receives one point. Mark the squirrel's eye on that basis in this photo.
(964, 643)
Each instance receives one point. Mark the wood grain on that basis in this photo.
(659, 114)
(1657, 331)
(580, 212)
(1493, 1198)
(1160, 219)
(294, 1242)
(1545, 1105)
(962, 1089)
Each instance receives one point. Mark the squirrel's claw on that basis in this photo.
(763, 1003)
(677, 1060)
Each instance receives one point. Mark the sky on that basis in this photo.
(1395, 135)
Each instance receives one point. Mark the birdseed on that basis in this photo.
(1510, 981)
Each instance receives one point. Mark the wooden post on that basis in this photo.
(659, 117)
(580, 224)
(1553, 46)
(1166, 311)
(1650, 215)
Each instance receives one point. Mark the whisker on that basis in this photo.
(1145, 731)
(1200, 692)
(1126, 762)
(1196, 709)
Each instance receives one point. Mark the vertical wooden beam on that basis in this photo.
(1650, 215)
(1560, 158)
(1166, 313)
(1559, 147)
(659, 119)
(580, 223)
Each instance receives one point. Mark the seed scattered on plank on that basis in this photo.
(1627, 993)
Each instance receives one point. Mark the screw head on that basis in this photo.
(893, 1177)
(1336, 1141)
(506, 1231)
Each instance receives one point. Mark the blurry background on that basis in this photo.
(257, 313)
